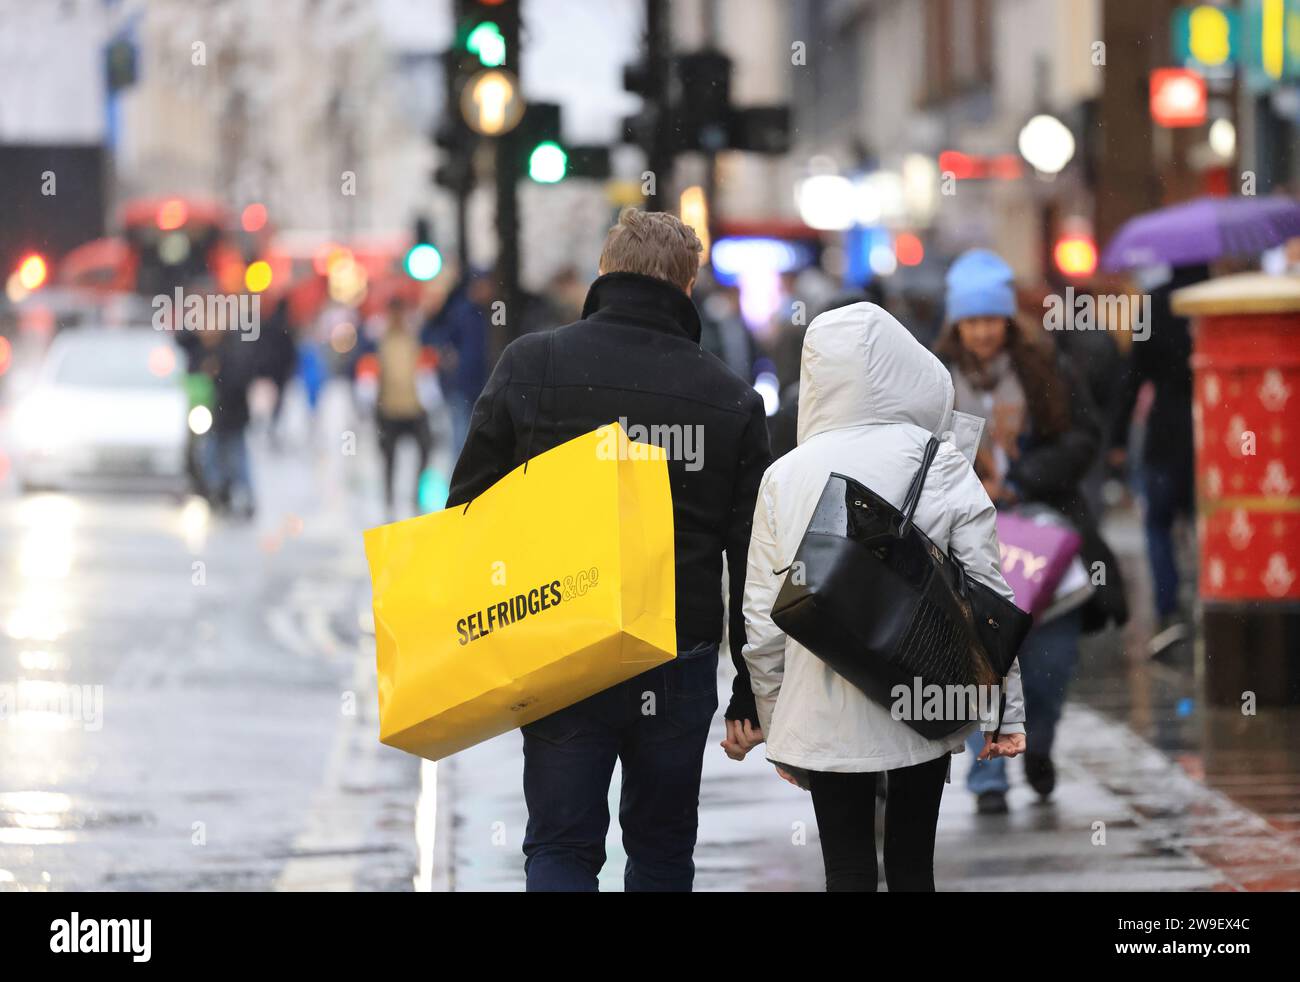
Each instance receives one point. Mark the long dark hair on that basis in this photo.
(1034, 363)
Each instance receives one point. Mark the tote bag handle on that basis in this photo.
(918, 484)
(541, 389)
(541, 392)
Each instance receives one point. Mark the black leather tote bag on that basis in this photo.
(869, 594)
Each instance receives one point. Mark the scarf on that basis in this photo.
(992, 391)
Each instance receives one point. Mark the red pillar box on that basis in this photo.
(1246, 415)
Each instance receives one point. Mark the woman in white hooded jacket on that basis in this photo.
(870, 397)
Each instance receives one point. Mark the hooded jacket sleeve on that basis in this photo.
(489, 451)
(764, 650)
(973, 541)
(755, 457)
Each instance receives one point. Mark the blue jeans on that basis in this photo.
(226, 468)
(1168, 495)
(1047, 662)
(657, 725)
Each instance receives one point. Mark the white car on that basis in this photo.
(105, 404)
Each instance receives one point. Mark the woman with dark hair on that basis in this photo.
(1041, 437)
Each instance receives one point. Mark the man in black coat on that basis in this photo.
(635, 358)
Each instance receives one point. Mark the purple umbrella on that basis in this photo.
(1202, 231)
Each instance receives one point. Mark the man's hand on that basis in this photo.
(1007, 745)
(742, 737)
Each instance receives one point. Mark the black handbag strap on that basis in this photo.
(918, 484)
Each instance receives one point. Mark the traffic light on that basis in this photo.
(703, 101)
(590, 162)
(423, 260)
(120, 68)
(700, 109)
(453, 136)
(488, 30)
(548, 163)
(543, 157)
(491, 104)
(639, 78)
(487, 44)
(760, 129)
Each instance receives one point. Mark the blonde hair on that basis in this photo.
(652, 244)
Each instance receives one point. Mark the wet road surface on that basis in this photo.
(233, 743)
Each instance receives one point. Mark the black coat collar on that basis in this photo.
(645, 301)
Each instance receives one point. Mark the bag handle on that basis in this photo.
(541, 390)
(532, 430)
(918, 484)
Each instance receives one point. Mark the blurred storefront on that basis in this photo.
(923, 106)
(1020, 118)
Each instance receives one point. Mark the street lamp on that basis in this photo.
(1047, 144)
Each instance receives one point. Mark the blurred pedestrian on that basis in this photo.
(562, 302)
(230, 362)
(634, 357)
(871, 398)
(1040, 439)
(1098, 362)
(313, 372)
(399, 409)
(278, 359)
(1162, 357)
(458, 332)
(724, 334)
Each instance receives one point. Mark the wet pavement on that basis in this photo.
(1124, 817)
(234, 746)
(1155, 792)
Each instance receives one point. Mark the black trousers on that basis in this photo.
(391, 430)
(845, 805)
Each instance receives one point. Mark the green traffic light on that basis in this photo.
(486, 41)
(548, 163)
(423, 262)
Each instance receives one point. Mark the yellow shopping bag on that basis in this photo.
(555, 583)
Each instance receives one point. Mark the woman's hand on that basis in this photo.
(742, 737)
(1006, 745)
